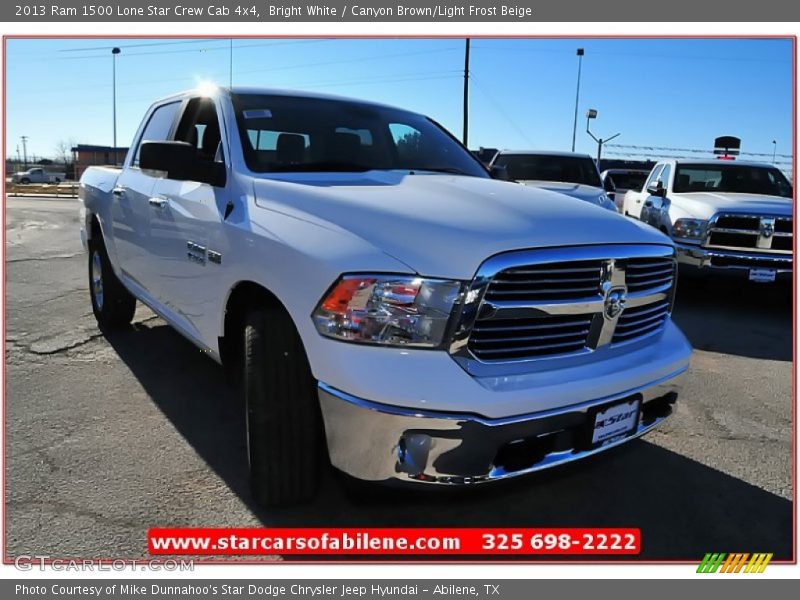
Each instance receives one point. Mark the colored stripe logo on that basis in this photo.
(738, 562)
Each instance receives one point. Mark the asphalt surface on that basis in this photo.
(106, 437)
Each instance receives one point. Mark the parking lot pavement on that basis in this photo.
(106, 437)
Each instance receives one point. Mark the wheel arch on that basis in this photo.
(243, 295)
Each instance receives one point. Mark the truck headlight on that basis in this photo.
(689, 228)
(394, 310)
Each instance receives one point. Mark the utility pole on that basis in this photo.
(465, 133)
(230, 67)
(24, 139)
(577, 97)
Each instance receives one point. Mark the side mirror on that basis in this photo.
(657, 190)
(499, 172)
(176, 159)
(179, 161)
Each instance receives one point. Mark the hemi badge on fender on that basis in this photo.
(214, 257)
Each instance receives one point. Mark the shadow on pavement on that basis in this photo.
(683, 508)
(731, 315)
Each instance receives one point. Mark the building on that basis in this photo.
(87, 155)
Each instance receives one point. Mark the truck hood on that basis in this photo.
(704, 205)
(443, 225)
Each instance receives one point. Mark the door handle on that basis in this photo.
(158, 202)
(118, 192)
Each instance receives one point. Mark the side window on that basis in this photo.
(653, 177)
(158, 126)
(200, 127)
(417, 150)
(664, 177)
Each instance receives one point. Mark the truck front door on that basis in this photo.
(187, 240)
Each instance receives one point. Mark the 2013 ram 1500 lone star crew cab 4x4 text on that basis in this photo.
(385, 304)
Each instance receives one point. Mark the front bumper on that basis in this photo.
(377, 442)
(711, 258)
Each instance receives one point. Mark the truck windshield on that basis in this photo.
(301, 134)
(542, 167)
(732, 178)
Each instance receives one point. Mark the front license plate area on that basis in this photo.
(762, 275)
(611, 422)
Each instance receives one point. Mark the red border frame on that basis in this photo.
(235, 561)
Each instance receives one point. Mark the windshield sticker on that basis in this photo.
(257, 113)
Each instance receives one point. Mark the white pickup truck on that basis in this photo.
(386, 305)
(37, 175)
(731, 215)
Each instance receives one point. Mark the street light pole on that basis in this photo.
(577, 97)
(592, 114)
(774, 150)
(114, 52)
(465, 131)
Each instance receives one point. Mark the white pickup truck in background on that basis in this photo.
(37, 175)
(378, 295)
(722, 215)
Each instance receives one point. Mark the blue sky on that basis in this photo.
(672, 93)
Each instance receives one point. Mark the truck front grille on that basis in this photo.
(562, 302)
(547, 282)
(762, 233)
(641, 321)
(509, 339)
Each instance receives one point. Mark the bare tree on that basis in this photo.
(63, 151)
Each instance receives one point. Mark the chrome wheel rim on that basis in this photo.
(97, 280)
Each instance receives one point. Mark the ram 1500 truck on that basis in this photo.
(731, 215)
(385, 304)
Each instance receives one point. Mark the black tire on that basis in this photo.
(112, 304)
(57, 180)
(25, 181)
(284, 425)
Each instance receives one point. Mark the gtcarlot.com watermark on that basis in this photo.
(42, 563)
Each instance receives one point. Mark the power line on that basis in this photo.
(501, 110)
(691, 150)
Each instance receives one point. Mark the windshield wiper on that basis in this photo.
(321, 167)
(453, 170)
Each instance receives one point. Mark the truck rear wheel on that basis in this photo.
(112, 304)
(284, 425)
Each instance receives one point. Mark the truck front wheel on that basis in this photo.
(112, 304)
(284, 425)
(25, 181)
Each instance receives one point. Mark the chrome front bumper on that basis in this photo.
(376, 442)
(700, 257)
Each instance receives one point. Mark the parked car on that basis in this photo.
(568, 173)
(37, 175)
(374, 291)
(722, 214)
(621, 181)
